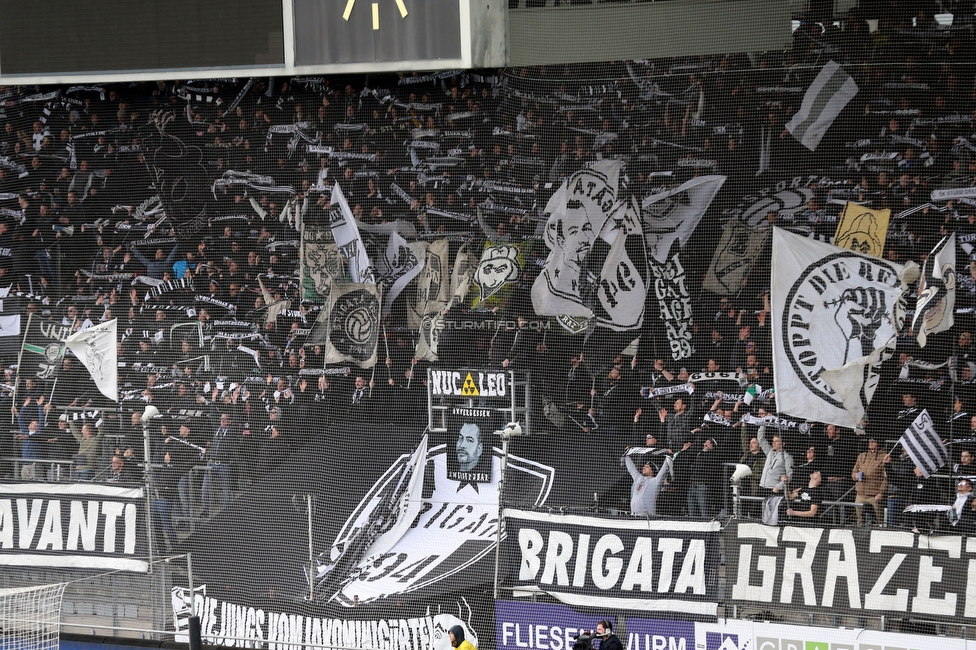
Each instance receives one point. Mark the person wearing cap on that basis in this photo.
(456, 635)
(871, 481)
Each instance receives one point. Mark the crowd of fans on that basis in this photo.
(81, 223)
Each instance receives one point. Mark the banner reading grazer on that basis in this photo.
(77, 525)
(626, 563)
(852, 572)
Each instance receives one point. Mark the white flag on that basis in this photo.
(433, 285)
(673, 215)
(836, 314)
(619, 266)
(737, 252)
(96, 348)
(826, 97)
(274, 307)
(576, 214)
(936, 291)
(924, 445)
(347, 238)
(10, 325)
(400, 264)
(464, 265)
(353, 329)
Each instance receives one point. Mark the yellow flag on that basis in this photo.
(862, 230)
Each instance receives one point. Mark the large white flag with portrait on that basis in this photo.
(575, 214)
(96, 348)
(836, 314)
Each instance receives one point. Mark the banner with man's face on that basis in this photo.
(470, 434)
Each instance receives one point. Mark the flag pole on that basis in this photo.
(386, 344)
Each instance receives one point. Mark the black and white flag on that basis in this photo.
(42, 348)
(616, 282)
(353, 324)
(96, 348)
(674, 303)
(736, 254)
(400, 263)
(924, 446)
(576, 214)
(321, 263)
(836, 315)
(826, 97)
(936, 291)
(433, 284)
(465, 263)
(672, 216)
(347, 238)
